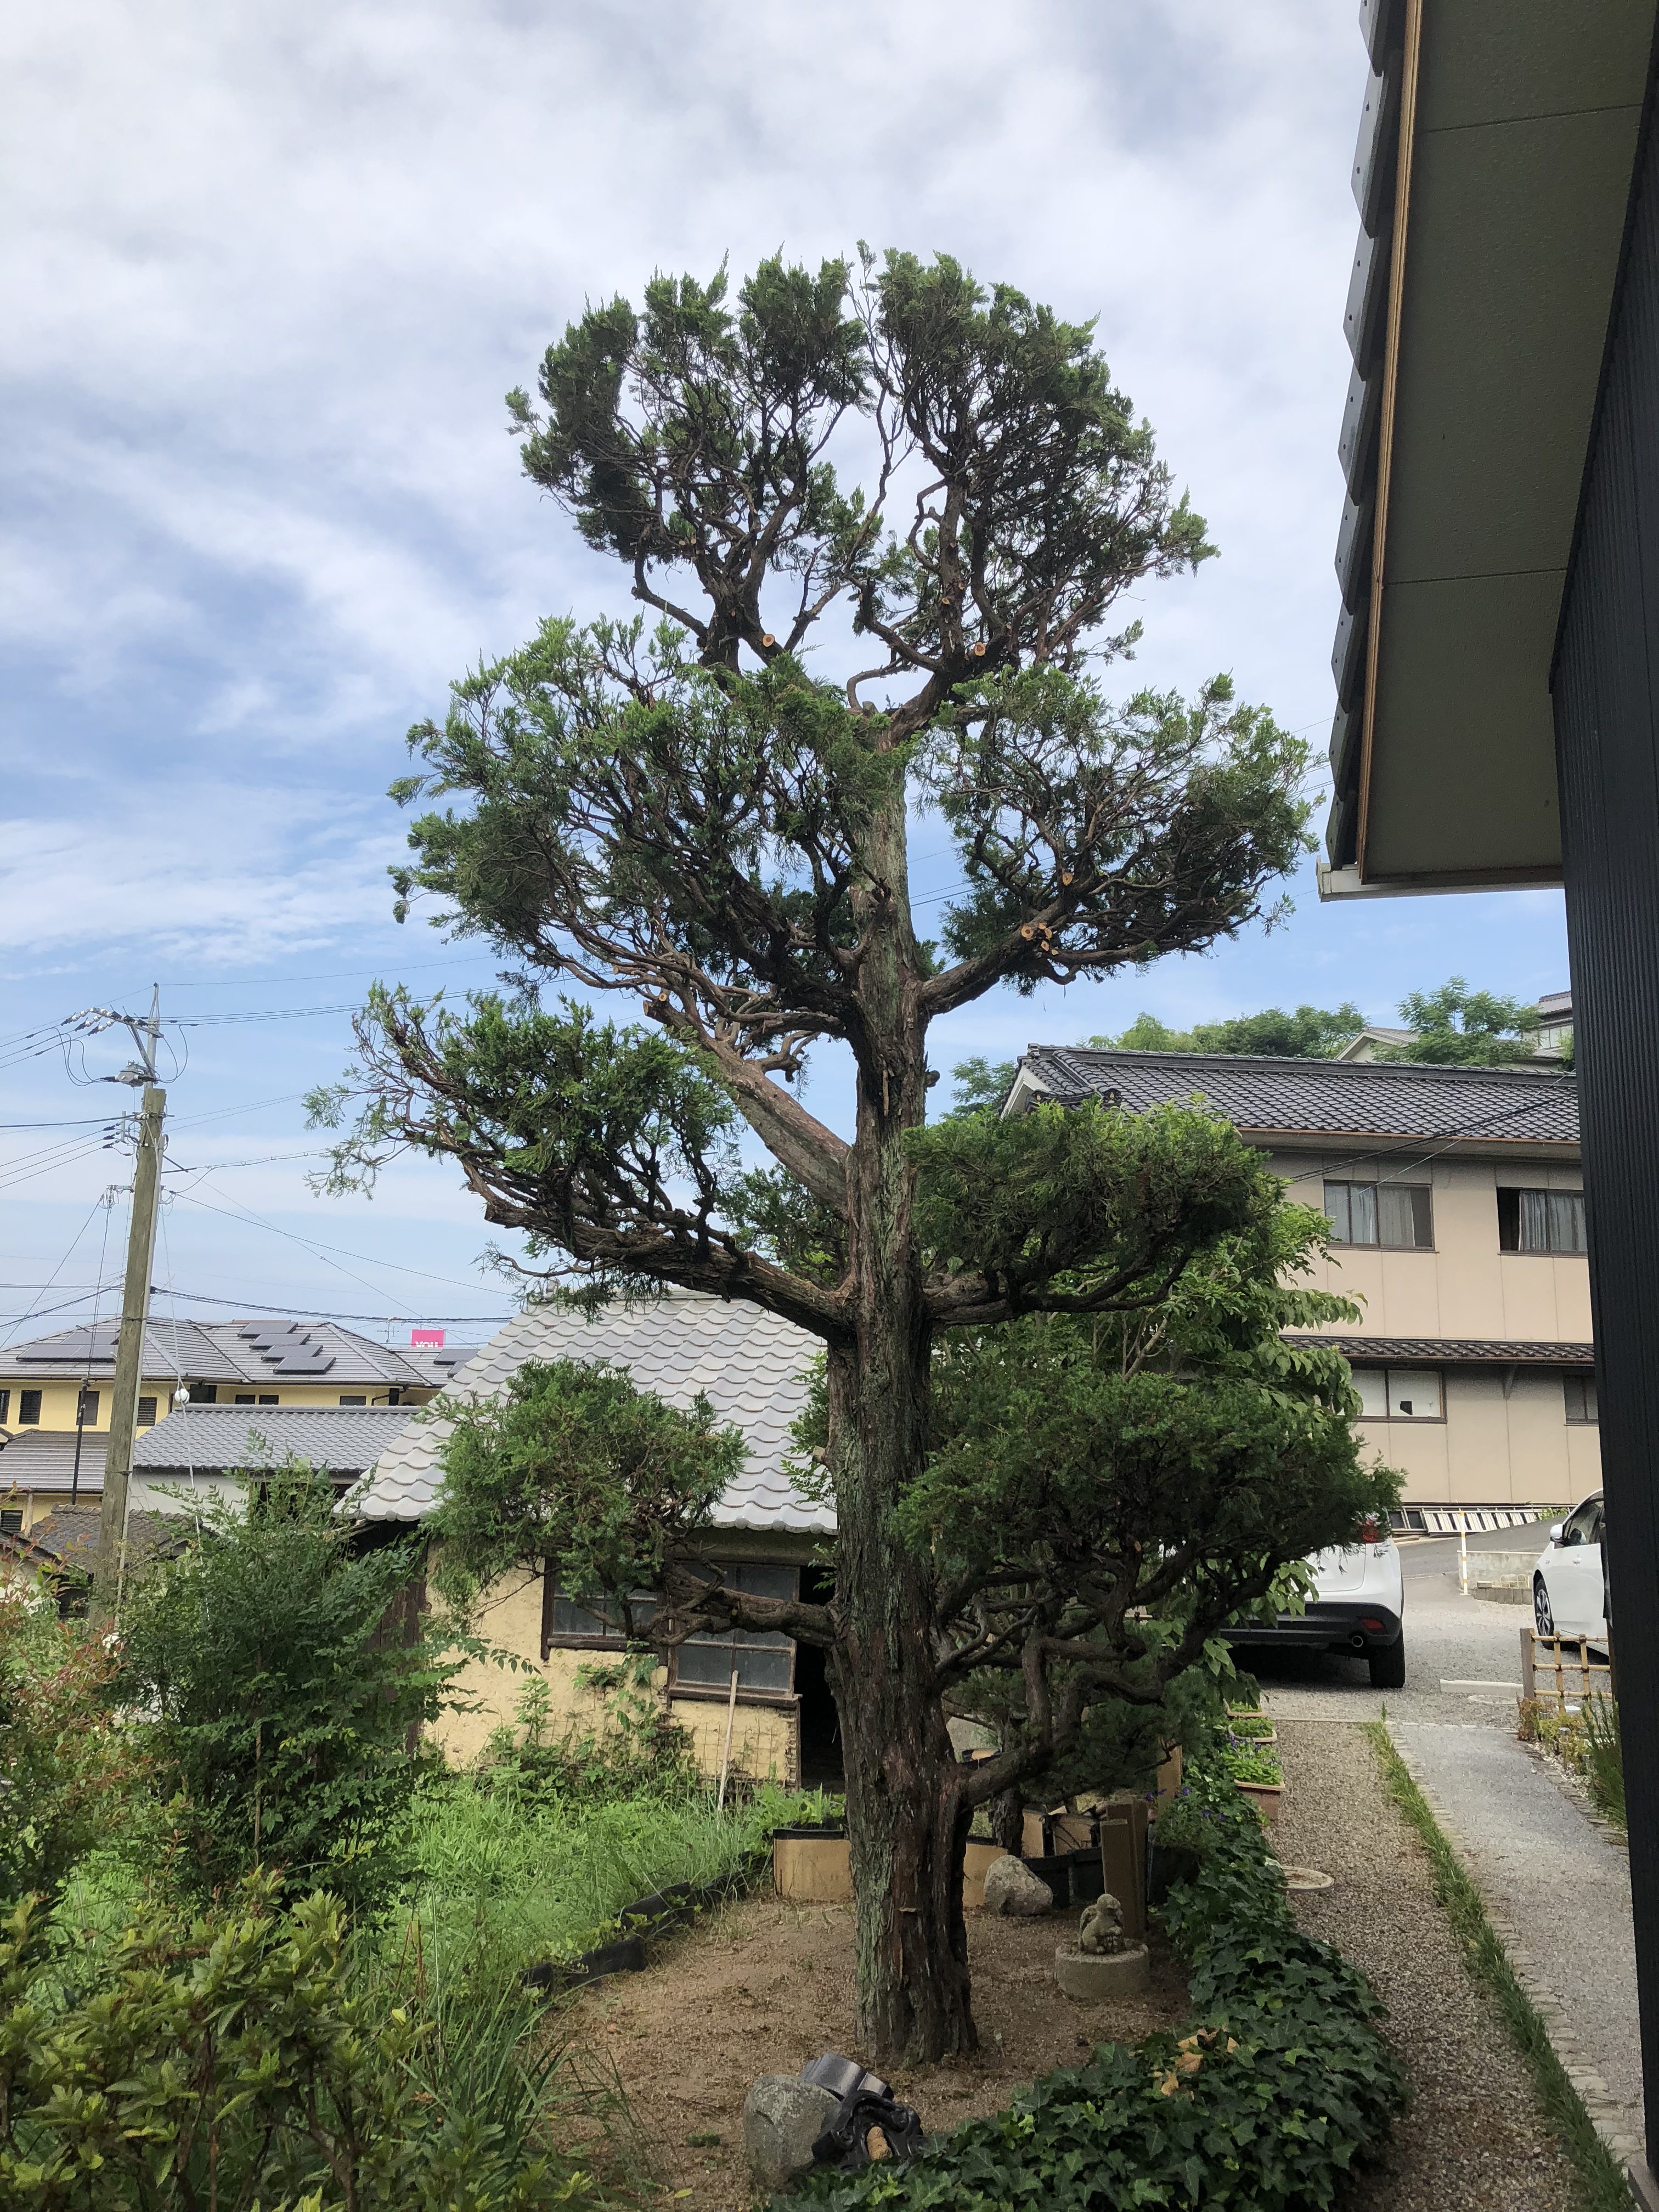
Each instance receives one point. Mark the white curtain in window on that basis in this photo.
(1566, 1221)
(1536, 1221)
(1396, 1215)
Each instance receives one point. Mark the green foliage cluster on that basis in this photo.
(1282, 2086)
(1456, 1027)
(576, 1467)
(280, 1676)
(235, 2060)
(1587, 1741)
(64, 1770)
(1306, 1033)
(1250, 1762)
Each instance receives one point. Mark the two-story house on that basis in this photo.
(55, 1392)
(1455, 1200)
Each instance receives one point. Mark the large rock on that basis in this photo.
(782, 2117)
(1012, 1887)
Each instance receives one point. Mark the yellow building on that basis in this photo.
(1456, 1196)
(55, 1392)
(753, 1368)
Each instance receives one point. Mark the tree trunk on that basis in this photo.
(905, 1826)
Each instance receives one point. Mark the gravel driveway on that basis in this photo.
(1473, 2140)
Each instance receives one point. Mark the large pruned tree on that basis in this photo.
(695, 816)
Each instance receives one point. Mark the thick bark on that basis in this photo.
(905, 1822)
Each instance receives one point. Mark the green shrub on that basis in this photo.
(65, 1774)
(1243, 1761)
(230, 2062)
(283, 1690)
(1603, 1756)
(1264, 2106)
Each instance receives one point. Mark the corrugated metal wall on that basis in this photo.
(1606, 725)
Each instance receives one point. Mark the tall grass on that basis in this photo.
(508, 1879)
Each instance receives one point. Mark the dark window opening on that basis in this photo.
(566, 1623)
(11, 1522)
(269, 1398)
(1541, 1221)
(86, 1410)
(765, 1662)
(1395, 1215)
(821, 1766)
(147, 1413)
(244, 1398)
(5, 1405)
(29, 1409)
(347, 1399)
(203, 1393)
(1581, 1409)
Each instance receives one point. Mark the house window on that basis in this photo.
(29, 1409)
(702, 1666)
(203, 1393)
(5, 1405)
(765, 1663)
(569, 1626)
(269, 1398)
(86, 1410)
(243, 1398)
(1580, 1391)
(358, 1401)
(1398, 1393)
(147, 1413)
(1396, 1215)
(11, 1521)
(1541, 1221)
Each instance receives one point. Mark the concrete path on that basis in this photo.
(1557, 1892)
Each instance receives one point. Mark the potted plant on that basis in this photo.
(1257, 1771)
(1176, 1842)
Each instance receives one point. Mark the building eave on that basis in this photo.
(1494, 182)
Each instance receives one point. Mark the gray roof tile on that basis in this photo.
(344, 1439)
(1273, 1097)
(751, 1367)
(1456, 1350)
(239, 1352)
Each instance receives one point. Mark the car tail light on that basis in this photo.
(1374, 1627)
(1371, 1530)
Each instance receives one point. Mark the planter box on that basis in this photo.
(814, 1866)
(1264, 1795)
(976, 1859)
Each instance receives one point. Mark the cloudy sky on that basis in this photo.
(269, 272)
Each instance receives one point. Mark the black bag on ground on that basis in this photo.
(871, 2125)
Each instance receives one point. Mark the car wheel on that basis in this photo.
(1543, 1619)
(1387, 1665)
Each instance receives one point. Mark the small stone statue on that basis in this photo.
(1101, 1936)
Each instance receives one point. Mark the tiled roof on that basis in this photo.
(1323, 1097)
(237, 1352)
(44, 1459)
(751, 1367)
(344, 1439)
(1457, 1351)
(70, 1536)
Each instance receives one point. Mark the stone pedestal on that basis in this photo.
(1097, 1977)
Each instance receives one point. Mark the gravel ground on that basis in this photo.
(1473, 2140)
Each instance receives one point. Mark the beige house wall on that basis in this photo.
(1506, 1439)
(765, 1738)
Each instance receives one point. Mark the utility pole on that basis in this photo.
(110, 1566)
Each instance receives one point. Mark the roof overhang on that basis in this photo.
(1493, 176)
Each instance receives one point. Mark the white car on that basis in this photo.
(1570, 1581)
(1359, 1608)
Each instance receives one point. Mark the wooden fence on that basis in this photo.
(1565, 1668)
